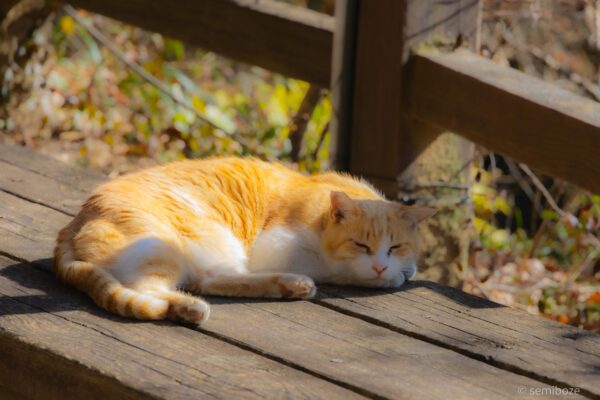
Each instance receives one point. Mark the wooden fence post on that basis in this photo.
(407, 160)
(342, 81)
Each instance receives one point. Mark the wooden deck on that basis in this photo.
(424, 341)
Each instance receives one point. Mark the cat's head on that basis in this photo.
(372, 242)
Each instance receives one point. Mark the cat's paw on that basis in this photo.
(297, 286)
(192, 311)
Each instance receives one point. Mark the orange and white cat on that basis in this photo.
(232, 227)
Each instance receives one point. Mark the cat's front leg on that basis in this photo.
(259, 285)
(294, 285)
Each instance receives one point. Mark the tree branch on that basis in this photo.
(300, 121)
(106, 42)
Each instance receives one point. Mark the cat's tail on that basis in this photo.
(109, 293)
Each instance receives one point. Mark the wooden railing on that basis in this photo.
(502, 109)
(511, 113)
(293, 41)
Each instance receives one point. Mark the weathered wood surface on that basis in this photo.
(339, 348)
(290, 40)
(378, 360)
(504, 337)
(28, 230)
(78, 178)
(382, 144)
(507, 111)
(52, 193)
(350, 342)
(7, 394)
(125, 359)
(330, 334)
(301, 334)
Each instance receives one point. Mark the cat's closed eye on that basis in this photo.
(401, 248)
(363, 246)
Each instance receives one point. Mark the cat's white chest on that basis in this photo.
(283, 249)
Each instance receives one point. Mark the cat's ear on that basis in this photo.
(341, 206)
(417, 214)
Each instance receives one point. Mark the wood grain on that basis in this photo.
(55, 343)
(342, 82)
(382, 362)
(81, 179)
(311, 338)
(508, 338)
(343, 349)
(290, 40)
(511, 113)
(28, 230)
(8, 394)
(40, 189)
(382, 144)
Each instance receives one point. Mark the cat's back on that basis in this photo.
(225, 167)
(227, 175)
(178, 196)
(228, 188)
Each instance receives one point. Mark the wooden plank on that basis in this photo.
(382, 143)
(342, 82)
(28, 229)
(383, 363)
(40, 189)
(291, 40)
(555, 353)
(41, 321)
(81, 179)
(449, 24)
(55, 376)
(510, 112)
(286, 331)
(8, 394)
(331, 344)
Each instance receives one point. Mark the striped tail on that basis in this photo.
(109, 293)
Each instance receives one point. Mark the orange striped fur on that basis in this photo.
(234, 227)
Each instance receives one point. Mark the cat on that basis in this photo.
(231, 227)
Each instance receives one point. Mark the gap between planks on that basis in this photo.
(471, 354)
(261, 350)
(42, 267)
(114, 329)
(437, 360)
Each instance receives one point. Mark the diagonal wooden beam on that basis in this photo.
(509, 112)
(294, 41)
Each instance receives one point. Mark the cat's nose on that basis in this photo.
(379, 269)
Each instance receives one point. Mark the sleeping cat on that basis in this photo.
(231, 227)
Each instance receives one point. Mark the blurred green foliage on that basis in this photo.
(108, 116)
(555, 271)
